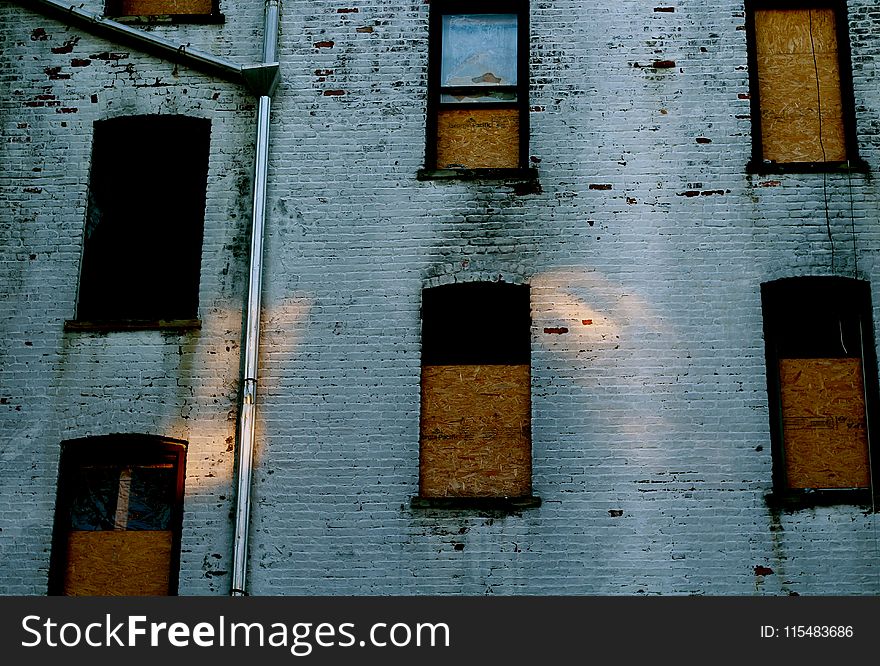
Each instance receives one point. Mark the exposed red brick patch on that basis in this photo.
(327, 44)
(615, 513)
(744, 96)
(663, 64)
(771, 183)
(664, 9)
(762, 571)
(353, 10)
(703, 139)
(586, 322)
(333, 93)
(366, 28)
(80, 62)
(67, 109)
(39, 35)
(323, 72)
(600, 186)
(557, 330)
(67, 46)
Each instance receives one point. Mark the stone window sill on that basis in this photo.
(853, 166)
(508, 504)
(527, 174)
(133, 325)
(795, 500)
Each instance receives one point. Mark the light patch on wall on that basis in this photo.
(569, 297)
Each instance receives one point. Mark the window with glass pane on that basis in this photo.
(117, 526)
(478, 86)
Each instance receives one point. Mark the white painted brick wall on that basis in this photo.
(657, 409)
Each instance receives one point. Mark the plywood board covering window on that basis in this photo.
(475, 432)
(478, 138)
(799, 81)
(823, 421)
(160, 7)
(118, 563)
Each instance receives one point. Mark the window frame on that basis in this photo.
(857, 296)
(513, 351)
(440, 8)
(120, 449)
(841, 14)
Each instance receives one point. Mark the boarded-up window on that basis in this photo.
(822, 380)
(479, 89)
(162, 7)
(800, 98)
(476, 407)
(143, 233)
(117, 526)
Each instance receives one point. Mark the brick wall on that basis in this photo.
(645, 246)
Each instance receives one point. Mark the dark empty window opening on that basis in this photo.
(143, 233)
(475, 437)
(478, 96)
(118, 517)
(822, 381)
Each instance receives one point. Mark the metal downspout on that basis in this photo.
(246, 420)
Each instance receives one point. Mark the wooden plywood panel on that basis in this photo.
(478, 138)
(153, 7)
(118, 563)
(475, 431)
(799, 75)
(793, 31)
(824, 428)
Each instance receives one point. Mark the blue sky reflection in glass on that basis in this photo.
(479, 50)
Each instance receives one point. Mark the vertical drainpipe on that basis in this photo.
(247, 415)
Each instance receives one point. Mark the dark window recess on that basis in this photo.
(477, 322)
(475, 432)
(822, 382)
(143, 232)
(801, 84)
(478, 86)
(118, 517)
